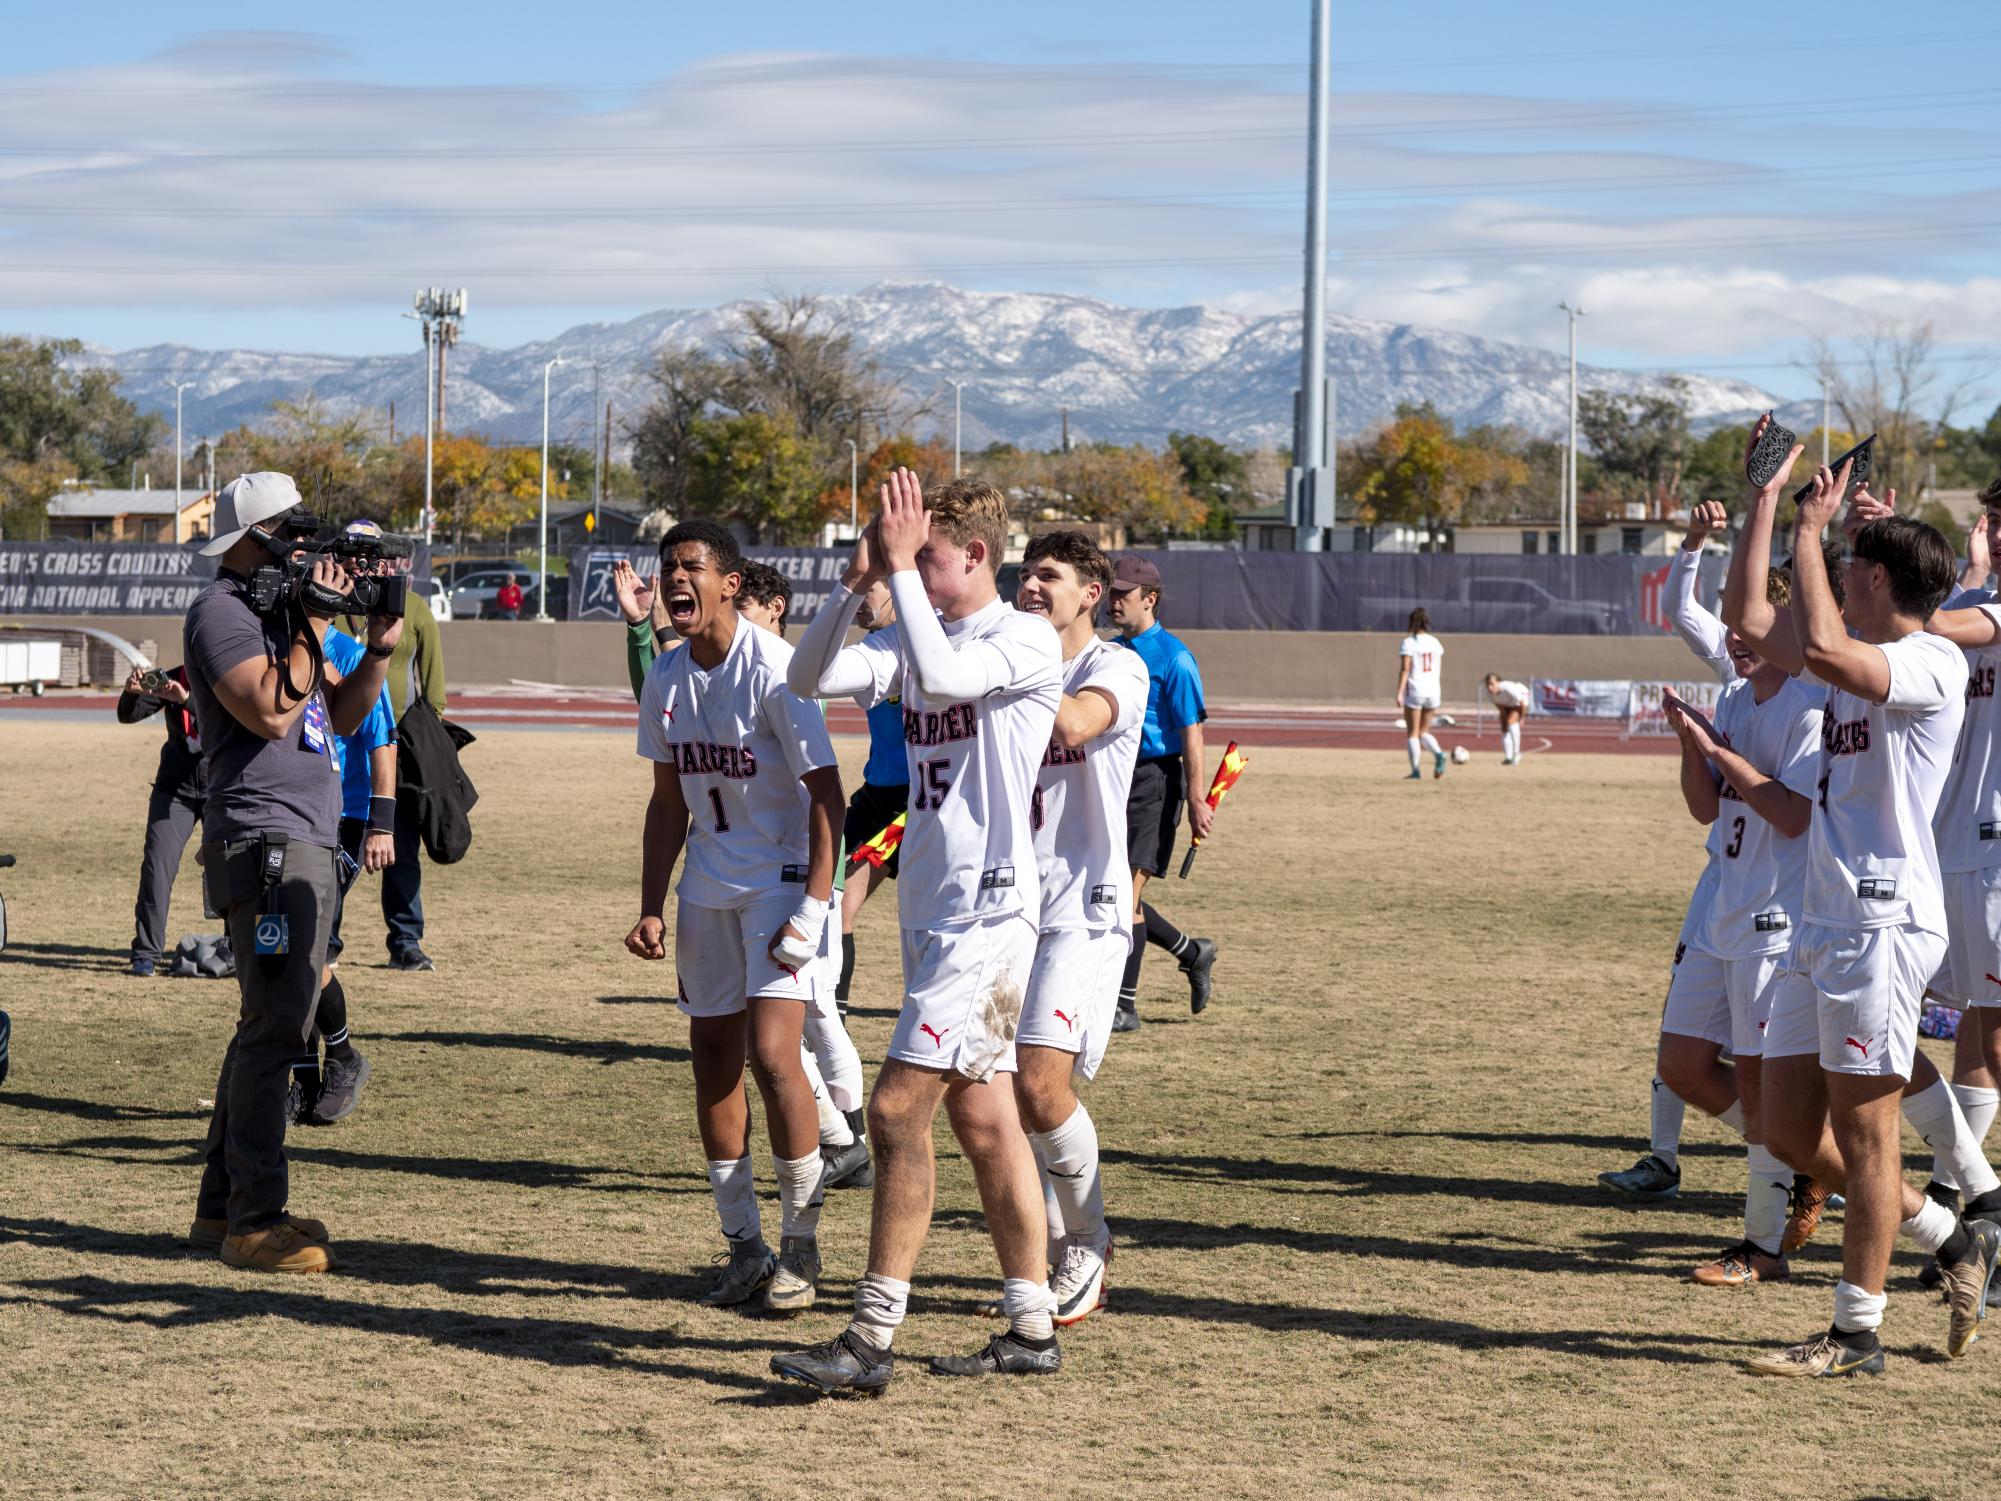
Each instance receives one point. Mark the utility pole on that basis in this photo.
(958, 390)
(1568, 526)
(597, 438)
(179, 386)
(542, 575)
(1066, 429)
(604, 464)
(1309, 489)
(1826, 419)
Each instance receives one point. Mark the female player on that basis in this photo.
(1418, 662)
(1511, 702)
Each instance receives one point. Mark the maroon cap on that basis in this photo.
(1133, 573)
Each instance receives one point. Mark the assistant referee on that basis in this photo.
(1170, 742)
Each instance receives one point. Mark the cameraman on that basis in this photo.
(180, 787)
(269, 709)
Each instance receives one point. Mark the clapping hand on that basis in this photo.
(635, 599)
(1979, 556)
(1865, 508)
(902, 526)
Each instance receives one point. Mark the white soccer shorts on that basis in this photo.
(1698, 998)
(723, 959)
(1073, 991)
(1852, 996)
(1752, 982)
(1973, 942)
(1419, 700)
(963, 989)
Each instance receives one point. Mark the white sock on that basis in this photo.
(736, 1199)
(1052, 1207)
(1767, 1199)
(1855, 1310)
(834, 1128)
(1028, 1306)
(834, 1052)
(799, 1193)
(880, 1303)
(1734, 1117)
(1430, 742)
(1514, 742)
(1978, 1106)
(1957, 1161)
(1411, 746)
(1668, 1110)
(1069, 1156)
(1931, 1227)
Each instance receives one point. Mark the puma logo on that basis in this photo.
(937, 1038)
(1860, 1047)
(1067, 1021)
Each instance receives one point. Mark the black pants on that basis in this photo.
(170, 820)
(244, 1179)
(403, 886)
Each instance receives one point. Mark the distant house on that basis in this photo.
(617, 526)
(1267, 530)
(1644, 537)
(129, 515)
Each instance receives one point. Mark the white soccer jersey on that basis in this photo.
(1872, 861)
(741, 740)
(1968, 822)
(1079, 809)
(967, 852)
(1511, 695)
(1426, 653)
(1761, 874)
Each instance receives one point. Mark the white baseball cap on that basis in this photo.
(247, 500)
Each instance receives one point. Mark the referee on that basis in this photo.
(1170, 741)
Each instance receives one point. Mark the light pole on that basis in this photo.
(1569, 525)
(430, 409)
(854, 488)
(179, 386)
(1311, 458)
(542, 606)
(958, 390)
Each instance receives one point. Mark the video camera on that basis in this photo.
(362, 549)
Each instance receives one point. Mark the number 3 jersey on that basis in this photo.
(1079, 810)
(1968, 822)
(967, 851)
(1873, 861)
(1761, 874)
(741, 740)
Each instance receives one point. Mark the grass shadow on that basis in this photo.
(602, 1050)
(1595, 1141)
(66, 956)
(94, 1110)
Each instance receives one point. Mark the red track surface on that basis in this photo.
(1250, 724)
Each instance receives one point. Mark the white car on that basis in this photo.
(433, 590)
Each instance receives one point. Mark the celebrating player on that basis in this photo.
(744, 778)
(1079, 819)
(1420, 657)
(1843, 1030)
(981, 684)
(1511, 702)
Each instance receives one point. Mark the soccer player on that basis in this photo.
(981, 684)
(1079, 817)
(1752, 781)
(1511, 702)
(883, 796)
(1167, 774)
(1843, 1030)
(744, 780)
(1420, 658)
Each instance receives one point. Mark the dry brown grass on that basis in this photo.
(1361, 1250)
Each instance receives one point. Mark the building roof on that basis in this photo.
(102, 505)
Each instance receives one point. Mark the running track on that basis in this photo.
(545, 707)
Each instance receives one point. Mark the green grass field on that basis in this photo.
(1360, 1246)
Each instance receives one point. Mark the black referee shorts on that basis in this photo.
(871, 810)
(1153, 813)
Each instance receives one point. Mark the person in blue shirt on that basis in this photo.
(883, 794)
(1167, 776)
(327, 1093)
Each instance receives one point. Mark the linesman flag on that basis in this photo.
(878, 850)
(1232, 766)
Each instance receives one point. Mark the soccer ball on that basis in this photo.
(1460, 755)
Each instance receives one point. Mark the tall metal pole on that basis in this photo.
(958, 390)
(179, 386)
(1569, 522)
(430, 421)
(1313, 331)
(1826, 416)
(597, 439)
(854, 488)
(542, 600)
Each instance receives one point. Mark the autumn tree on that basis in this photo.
(1638, 441)
(1218, 476)
(755, 469)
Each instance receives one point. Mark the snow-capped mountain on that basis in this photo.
(1124, 374)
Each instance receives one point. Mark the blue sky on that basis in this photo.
(1715, 199)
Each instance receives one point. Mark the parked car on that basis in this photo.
(435, 595)
(1503, 604)
(472, 596)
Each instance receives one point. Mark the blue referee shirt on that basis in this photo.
(888, 765)
(1174, 694)
(353, 751)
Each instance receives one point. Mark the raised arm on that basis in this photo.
(902, 527)
(1746, 610)
(1832, 655)
(1697, 627)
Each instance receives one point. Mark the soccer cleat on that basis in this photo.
(412, 958)
(1415, 775)
(295, 1101)
(796, 1281)
(747, 1267)
(1966, 1282)
(848, 1166)
(1829, 1354)
(1006, 1354)
(281, 1248)
(1740, 1266)
(1200, 961)
(1079, 1283)
(341, 1082)
(843, 1364)
(1652, 1177)
(1437, 765)
(1808, 1200)
(141, 968)
(208, 1235)
(1126, 1019)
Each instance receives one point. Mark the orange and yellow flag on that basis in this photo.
(1233, 764)
(878, 850)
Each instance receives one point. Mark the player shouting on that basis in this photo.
(1843, 1028)
(744, 779)
(981, 684)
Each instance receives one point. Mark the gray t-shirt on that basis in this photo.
(256, 786)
